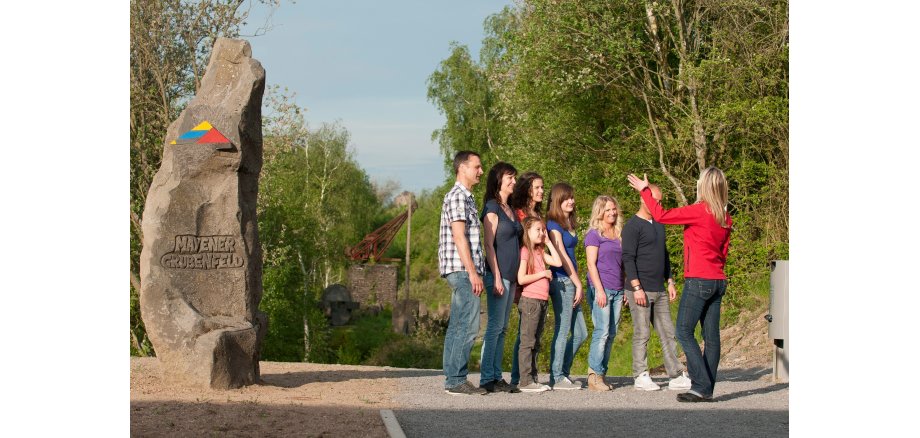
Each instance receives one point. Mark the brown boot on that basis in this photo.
(607, 383)
(596, 382)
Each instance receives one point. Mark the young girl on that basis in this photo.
(525, 200)
(534, 276)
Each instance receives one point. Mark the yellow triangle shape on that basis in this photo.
(172, 142)
(203, 126)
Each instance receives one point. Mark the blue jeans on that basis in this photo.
(562, 352)
(493, 341)
(461, 329)
(605, 328)
(700, 303)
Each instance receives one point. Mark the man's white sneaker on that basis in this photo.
(680, 383)
(644, 383)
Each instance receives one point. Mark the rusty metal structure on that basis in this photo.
(376, 243)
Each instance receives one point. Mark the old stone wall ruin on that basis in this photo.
(373, 284)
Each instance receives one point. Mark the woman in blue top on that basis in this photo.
(565, 288)
(502, 247)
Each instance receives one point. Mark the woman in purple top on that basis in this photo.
(605, 284)
(565, 288)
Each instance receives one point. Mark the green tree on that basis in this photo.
(595, 89)
(588, 91)
(314, 201)
(463, 94)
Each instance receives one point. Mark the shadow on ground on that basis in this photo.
(245, 419)
(727, 374)
(627, 382)
(750, 392)
(594, 423)
(300, 378)
(742, 374)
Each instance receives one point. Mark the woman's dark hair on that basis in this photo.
(494, 180)
(521, 195)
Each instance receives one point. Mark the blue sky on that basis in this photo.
(365, 63)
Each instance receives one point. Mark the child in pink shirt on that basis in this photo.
(534, 276)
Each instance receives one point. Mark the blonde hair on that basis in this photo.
(712, 189)
(560, 193)
(530, 221)
(597, 215)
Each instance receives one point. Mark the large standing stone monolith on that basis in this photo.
(201, 264)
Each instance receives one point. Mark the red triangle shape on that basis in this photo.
(213, 136)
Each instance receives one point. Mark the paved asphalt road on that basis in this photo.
(748, 404)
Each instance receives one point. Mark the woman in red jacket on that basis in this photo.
(707, 225)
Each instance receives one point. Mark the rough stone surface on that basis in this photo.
(337, 304)
(405, 316)
(373, 284)
(201, 264)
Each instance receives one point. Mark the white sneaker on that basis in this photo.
(644, 383)
(680, 383)
(566, 384)
(534, 387)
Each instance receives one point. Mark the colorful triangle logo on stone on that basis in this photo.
(213, 136)
(202, 134)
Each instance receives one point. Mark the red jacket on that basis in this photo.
(705, 241)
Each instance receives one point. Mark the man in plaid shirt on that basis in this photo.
(460, 261)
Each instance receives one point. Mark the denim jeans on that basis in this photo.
(658, 311)
(461, 329)
(493, 341)
(605, 328)
(701, 303)
(569, 319)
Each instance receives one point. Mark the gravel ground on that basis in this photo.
(748, 404)
(295, 399)
(317, 400)
(305, 399)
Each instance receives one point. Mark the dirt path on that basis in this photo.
(314, 400)
(299, 399)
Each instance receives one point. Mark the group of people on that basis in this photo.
(505, 252)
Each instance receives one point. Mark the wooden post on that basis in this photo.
(408, 236)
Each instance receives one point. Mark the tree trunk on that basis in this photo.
(137, 228)
(136, 284)
(306, 302)
(699, 134)
(485, 119)
(686, 54)
(660, 144)
(408, 240)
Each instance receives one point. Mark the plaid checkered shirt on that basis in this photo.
(459, 206)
